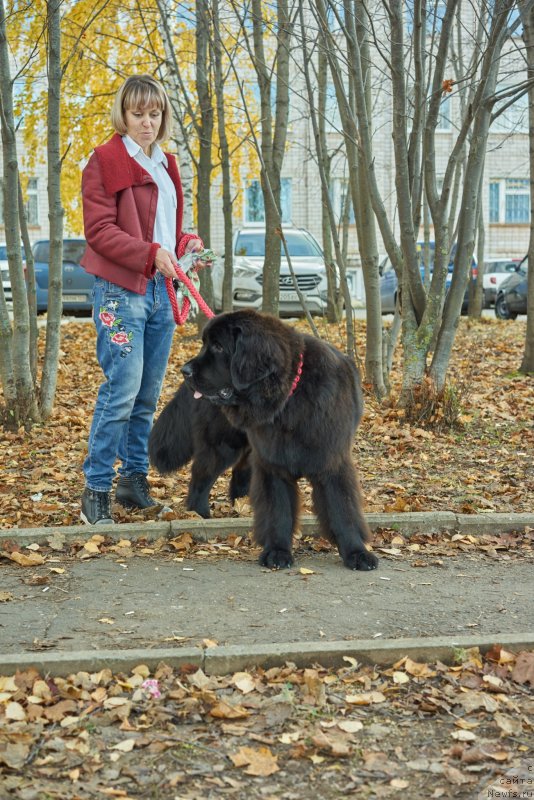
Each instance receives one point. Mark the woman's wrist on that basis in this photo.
(184, 242)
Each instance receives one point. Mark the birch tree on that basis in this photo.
(20, 397)
(36, 39)
(55, 209)
(527, 17)
(178, 98)
(224, 149)
(416, 67)
(272, 76)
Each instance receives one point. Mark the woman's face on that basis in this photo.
(142, 125)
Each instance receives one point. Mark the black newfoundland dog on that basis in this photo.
(278, 405)
(190, 428)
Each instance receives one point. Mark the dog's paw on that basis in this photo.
(202, 509)
(362, 561)
(276, 559)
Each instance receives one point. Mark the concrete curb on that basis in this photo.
(223, 660)
(409, 523)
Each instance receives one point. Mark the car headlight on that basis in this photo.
(244, 271)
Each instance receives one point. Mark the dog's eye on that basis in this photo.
(216, 347)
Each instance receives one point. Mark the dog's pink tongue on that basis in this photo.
(197, 395)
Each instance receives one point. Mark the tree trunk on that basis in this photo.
(273, 140)
(225, 162)
(55, 213)
(176, 91)
(205, 164)
(332, 304)
(403, 184)
(30, 287)
(366, 227)
(348, 99)
(468, 217)
(527, 15)
(19, 393)
(476, 288)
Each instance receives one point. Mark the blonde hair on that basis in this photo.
(137, 93)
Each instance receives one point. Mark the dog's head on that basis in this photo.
(243, 353)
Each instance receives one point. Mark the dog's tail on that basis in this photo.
(170, 445)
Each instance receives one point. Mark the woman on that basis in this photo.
(132, 208)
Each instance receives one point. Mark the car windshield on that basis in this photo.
(252, 244)
(73, 250)
(503, 266)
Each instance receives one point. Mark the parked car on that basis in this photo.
(389, 283)
(511, 297)
(4, 272)
(495, 271)
(77, 283)
(249, 254)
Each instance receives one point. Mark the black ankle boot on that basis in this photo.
(134, 492)
(96, 508)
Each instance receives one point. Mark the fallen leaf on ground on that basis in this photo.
(23, 560)
(259, 761)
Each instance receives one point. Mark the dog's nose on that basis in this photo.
(187, 370)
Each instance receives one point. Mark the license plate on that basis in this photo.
(74, 298)
(289, 296)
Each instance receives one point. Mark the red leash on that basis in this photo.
(181, 314)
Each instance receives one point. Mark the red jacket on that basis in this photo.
(119, 209)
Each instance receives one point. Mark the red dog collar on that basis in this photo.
(297, 376)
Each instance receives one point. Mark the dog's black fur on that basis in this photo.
(247, 369)
(196, 429)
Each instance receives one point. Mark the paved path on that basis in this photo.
(153, 603)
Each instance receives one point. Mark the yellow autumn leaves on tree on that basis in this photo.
(101, 45)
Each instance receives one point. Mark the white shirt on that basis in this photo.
(165, 222)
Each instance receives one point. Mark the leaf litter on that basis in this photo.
(403, 467)
(441, 731)
(414, 729)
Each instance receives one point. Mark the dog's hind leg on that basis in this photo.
(200, 486)
(275, 502)
(241, 476)
(170, 444)
(208, 464)
(336, 502)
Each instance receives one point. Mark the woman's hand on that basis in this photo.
(195, 246)
(165, 262)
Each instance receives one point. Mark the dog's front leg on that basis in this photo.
(275, 504)
(336, 501)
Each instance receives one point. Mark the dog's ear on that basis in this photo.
(254, 358)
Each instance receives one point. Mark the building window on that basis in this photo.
(32, 202)
(444, 117)
(332, 115)
(509, 201)
(514, 119)
(340, 195)
(254, 206)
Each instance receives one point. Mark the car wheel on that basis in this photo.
(501, 309)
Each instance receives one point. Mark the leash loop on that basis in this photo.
(181, 314)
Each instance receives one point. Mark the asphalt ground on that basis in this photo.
(217, 608)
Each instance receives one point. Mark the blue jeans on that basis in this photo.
(134, 337)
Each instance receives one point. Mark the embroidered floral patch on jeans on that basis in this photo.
(117, 332)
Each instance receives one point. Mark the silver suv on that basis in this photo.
(249, 254)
